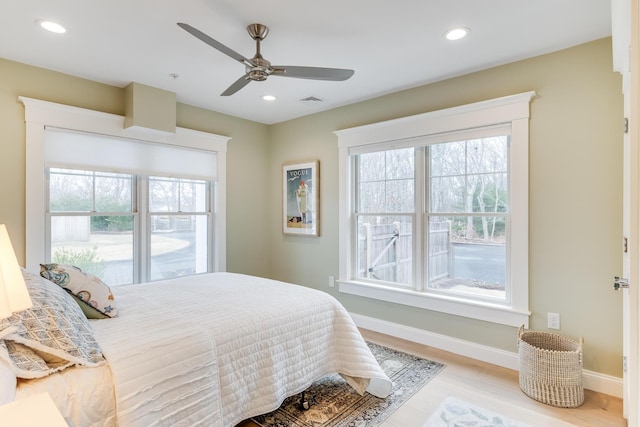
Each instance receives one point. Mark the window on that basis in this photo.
(179, 214)
(93, 224)
(434, 210)
(130, 205)
(385, 215)
(467, 215)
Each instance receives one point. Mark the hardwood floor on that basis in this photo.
(492, 387)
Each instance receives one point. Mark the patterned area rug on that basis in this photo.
(456, 412)
(334, 403)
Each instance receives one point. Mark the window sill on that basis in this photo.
(479, 310)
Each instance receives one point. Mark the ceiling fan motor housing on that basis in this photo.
(260, 70)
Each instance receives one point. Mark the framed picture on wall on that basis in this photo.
(301, 198)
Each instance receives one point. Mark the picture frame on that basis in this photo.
(301, 198)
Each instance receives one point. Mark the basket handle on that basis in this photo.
(520, 332)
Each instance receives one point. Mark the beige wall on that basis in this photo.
(575, 186)
(575, 196)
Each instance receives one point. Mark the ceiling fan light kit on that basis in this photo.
(258, 68)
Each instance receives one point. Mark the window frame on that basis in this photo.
(513, 111)
(41, 114)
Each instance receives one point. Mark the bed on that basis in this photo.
(203, 350)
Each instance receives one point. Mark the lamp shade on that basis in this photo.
(14, 295)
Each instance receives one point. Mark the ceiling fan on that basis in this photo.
(258, 68)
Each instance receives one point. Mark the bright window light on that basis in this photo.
(51, 26)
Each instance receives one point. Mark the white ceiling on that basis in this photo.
(391, 45)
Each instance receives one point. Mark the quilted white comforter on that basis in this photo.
(215, 349)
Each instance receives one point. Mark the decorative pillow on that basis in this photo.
(92, 294)
(50, 336)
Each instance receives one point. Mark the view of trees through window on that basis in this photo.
(94, 223)
(466, 207)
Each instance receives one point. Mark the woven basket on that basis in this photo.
(551, 368)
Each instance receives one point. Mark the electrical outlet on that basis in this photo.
(553, 321)
(332, 281)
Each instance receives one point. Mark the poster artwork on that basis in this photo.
(300, 198)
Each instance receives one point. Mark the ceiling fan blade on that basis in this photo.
(236, 86)
(214, 43)
(314, 73)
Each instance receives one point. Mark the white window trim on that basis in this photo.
(513, 110)
(40, 114)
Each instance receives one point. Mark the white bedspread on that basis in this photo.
(216, 349)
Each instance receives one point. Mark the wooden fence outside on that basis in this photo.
(386, 251)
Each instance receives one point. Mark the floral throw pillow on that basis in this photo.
(91, 293)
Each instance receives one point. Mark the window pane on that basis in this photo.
(70, 191)
(163, 195)
(447, 159)
(399, 196)
(193, 196)
(113, 192)
(372, 196)
(100, 245)
(385, 248)
(87, 191)
(399, 163)
(448, 194)
(178, 245)
(467, 254)
(386, 181)
(177, 195)
(469, 176)
(487, 155)
(489, 192)
(371, 167)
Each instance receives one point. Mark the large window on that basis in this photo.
(434, 210)
(130, 205)
(465, 216)
(95, 222)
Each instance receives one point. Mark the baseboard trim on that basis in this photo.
(592, 380)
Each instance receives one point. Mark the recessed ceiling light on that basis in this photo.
(269, 98)
(457, 33)
(54, 27)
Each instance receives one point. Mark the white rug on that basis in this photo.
(454, 412)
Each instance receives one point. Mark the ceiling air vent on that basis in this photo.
(311, 99)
